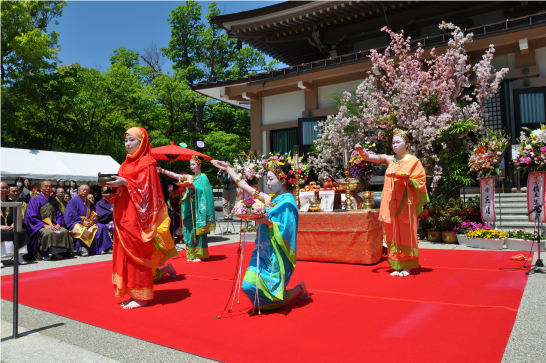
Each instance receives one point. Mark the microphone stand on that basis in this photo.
(539, 263)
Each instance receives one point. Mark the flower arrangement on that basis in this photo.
(303, 169)
(487, 234)
(488, 153)
(248, 206)
(250, 166)
(361, 169)
(453, 215)
(522, 234)
(424, 94)
(532, 151)
(250, 229)
(466, 227)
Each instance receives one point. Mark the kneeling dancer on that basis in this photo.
(142, 241)
(403, 198)
(274, 257)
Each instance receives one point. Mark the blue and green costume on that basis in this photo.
(276, 248)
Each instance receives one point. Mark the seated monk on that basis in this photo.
(91, 237)
(44, 220)
(59, 196)
(104, 209)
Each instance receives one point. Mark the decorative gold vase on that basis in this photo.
(434, 236)
(314, 204)
(368, 201)
(449, 237)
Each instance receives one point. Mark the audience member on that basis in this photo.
(44, 220)
(229, 193)
(91, 236)
(91, 198)
(61, 184)
(104, 209)
(67, 197)
(73, 190)
(60, 196)
(6, 225)
(26, 186)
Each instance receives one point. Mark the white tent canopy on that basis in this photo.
(51, 165)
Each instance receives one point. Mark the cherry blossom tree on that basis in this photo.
(428, 95)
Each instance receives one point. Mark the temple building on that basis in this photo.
(326, 45)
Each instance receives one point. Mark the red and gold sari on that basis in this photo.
(142, 241)
(401, 203)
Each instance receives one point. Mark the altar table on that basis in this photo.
(349, 237)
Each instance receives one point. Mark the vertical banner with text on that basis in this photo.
(535, 193)
(487, 199)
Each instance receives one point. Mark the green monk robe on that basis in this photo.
(199, 217)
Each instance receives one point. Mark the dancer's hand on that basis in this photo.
(359, 149)
(222, 165)
(264, 220)
(159, 170)
(117, 183)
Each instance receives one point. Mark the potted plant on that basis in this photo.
(448, 215)
(521, 240)
(462, 229)
(489, 239)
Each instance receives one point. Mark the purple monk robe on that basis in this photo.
(33, 221)
(104, 212)
(76, 208)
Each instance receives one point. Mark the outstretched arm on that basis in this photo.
(173, 174)
(374, 158)
(222, 165)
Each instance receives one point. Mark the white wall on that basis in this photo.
(504, 61)
(283, 108)
(540, 55)
(324, 92)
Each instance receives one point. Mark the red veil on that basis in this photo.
(138, 210)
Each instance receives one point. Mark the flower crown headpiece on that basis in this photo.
(401, 133)
(273, 165)
(196, 159)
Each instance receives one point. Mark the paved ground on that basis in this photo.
(67, 340)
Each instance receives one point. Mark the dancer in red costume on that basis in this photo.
(141, 224)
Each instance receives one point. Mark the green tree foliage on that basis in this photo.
(27, 46)
(83, 110)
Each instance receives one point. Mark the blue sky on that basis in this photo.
(91, 30)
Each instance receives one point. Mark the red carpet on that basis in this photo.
(458, 308)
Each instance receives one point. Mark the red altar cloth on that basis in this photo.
(349, 237)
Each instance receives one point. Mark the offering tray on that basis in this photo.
(183, 184)
(250, 216)
(354, 184)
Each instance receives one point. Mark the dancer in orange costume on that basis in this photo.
(142, 241)
(403, 198)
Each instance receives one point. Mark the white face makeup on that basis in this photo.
(274, 184)
(194, 167)
(131, 144)
(399, 145)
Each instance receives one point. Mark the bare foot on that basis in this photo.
(304, 292)
(127, 302)
(135, 304)
(404, 273)
(172, 271)
(395, 273)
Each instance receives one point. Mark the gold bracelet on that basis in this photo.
(379, 158)
(238, 180)
(256, 193)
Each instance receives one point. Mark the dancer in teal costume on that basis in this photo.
(274, 255)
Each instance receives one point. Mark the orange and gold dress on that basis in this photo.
(401, 203)
(142, 241)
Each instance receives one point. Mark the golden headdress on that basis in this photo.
(401, 133)
(196, 159)
(273, 165)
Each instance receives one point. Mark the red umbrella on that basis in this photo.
(174, 152)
